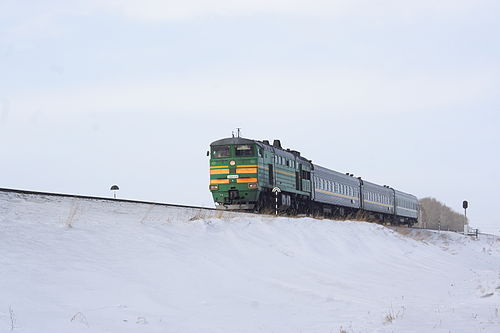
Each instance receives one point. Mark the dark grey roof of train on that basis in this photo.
(336, 173)
(232, 141)
(408, 195)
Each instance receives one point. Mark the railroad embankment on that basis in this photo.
(85, 265)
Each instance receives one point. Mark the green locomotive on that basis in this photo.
(243, 173)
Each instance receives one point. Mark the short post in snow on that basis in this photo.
(465, 205)
(114, 188)
(276, 190)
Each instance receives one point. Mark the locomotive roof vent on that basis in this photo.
(277, 143)
(295, 152)
(266, 142)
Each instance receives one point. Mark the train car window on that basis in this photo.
(244, 150)
(221, 151)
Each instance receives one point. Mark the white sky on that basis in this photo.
(404, 93)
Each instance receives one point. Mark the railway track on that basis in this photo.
(75, 196)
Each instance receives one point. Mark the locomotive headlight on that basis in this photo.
(214, 187)
(252, 186)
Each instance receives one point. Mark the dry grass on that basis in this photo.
(72, 213)
(80, 317)
(391, 315)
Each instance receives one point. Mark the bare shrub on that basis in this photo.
(438, 216)
(391, 315)
(12, 316)
(72, 213)
(80, 317)
(219, 214)
(198, 216)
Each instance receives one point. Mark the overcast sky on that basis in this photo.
(403, 93)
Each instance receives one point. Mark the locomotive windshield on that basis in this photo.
(244, 150)
(221, 151)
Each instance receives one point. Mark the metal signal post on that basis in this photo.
(276, 190)
(465, 205)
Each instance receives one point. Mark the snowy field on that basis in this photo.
(74, 265)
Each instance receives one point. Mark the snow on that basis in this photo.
(82, 265)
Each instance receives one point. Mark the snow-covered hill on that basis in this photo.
(74, 265)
